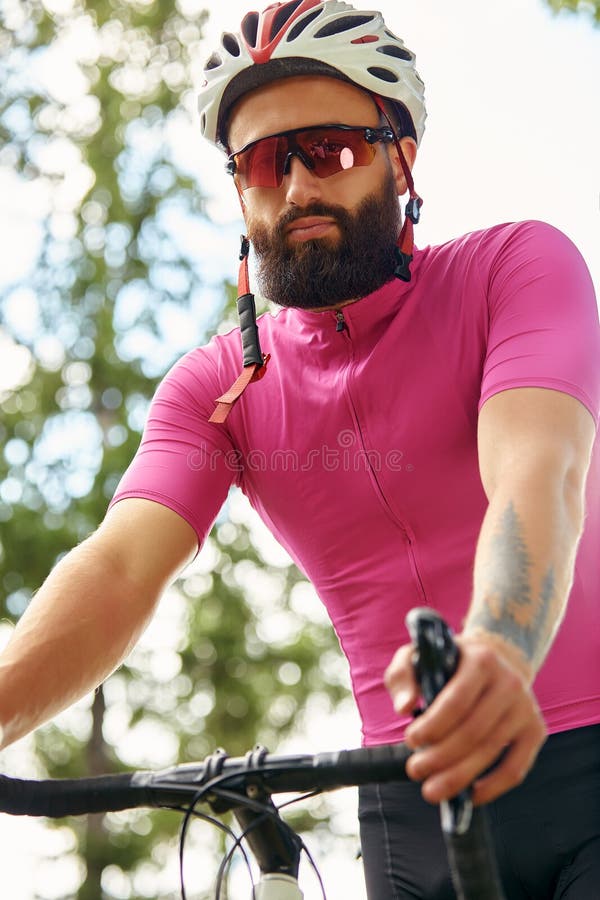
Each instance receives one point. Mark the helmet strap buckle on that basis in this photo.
(244, 250)
(413, 209)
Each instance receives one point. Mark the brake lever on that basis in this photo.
(435, 660)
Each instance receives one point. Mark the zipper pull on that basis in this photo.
(341, 322)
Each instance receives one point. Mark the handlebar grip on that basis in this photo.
(362, 766)
(72, 796)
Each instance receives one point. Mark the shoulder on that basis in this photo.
(515, 251)
(537, 257)
(532, 238)
(491, 241)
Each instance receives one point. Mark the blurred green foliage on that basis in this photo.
(591, 7)
(93, 323)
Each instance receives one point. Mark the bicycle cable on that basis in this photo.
(214, 788)
(266, 812)
(211, 820)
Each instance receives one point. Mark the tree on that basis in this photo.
(95, 322)
(580, 6)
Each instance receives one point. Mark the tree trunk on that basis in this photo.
(96, 846)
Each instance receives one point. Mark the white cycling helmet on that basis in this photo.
(311, 37)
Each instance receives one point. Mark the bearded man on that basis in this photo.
(441, 405)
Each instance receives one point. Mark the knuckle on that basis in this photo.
(483, 657)
(514, 683)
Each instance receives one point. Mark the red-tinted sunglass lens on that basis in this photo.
(262, 164)
(335, 150)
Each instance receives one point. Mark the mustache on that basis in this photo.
(338, 213)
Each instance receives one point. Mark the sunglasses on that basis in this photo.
(324, 149)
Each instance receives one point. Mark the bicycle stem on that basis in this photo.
(276, 847)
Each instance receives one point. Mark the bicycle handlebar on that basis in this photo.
(56, 798)
(470, 850)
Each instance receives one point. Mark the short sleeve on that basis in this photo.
(543, 316)
(184, 462)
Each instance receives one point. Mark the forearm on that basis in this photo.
(524, 566)
(77, 629)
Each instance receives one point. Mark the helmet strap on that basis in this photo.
(254, 363)
(412, 212)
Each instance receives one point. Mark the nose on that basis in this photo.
(301, 184)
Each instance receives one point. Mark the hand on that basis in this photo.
(488, 708)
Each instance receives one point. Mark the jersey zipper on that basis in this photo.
(342, 326)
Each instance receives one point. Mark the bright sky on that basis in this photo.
(512, 133)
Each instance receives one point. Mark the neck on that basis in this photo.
(334, 306)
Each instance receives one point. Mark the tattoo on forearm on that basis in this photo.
(508, 608)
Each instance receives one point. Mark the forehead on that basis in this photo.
(298, 102)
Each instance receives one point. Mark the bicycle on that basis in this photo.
(245, 786)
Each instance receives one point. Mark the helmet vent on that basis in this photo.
(230, 42)
(398, 52)
(213, 62)
(383, 74)
(343, 24)
(250, 28)
(299, 27)
(283, 15)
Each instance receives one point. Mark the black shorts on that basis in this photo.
(546, 831)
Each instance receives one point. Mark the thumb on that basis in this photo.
(399, 679)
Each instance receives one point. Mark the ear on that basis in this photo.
(409, 151)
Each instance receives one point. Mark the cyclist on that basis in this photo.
(440, 407)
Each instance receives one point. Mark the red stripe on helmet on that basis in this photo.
(265, 44)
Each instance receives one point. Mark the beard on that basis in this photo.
(319, 273)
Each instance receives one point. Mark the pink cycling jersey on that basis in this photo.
(359, 446)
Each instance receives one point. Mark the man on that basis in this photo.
(441, 405)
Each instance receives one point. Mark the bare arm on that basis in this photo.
(89, 613)
(534, 453)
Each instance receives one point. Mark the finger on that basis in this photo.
(514, 766)
(450, 708)
(478, 669)
(400, 681)
(481, 725)
(520, 734)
